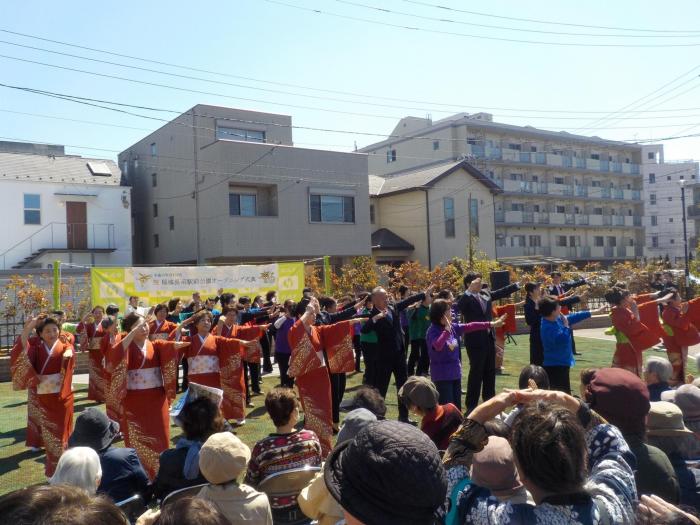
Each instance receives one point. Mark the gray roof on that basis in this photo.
(385, 239)
(58, 169)
(425, 178)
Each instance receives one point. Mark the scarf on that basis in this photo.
(191, 468)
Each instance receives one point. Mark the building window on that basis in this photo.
(448, 205)
(242, 204)
(558, 180)
(561, 209)
(668, 177)
(670, 199)
(156, 240)
(610, 158)
(597, 211)
(654, 242)
(533, 149)
(595, 184)
(652, 178)
(391, 156)
(535, 241)
(154, 180)
(155, 209)
(436, 145)
(514, 146)
(652, 198)
(517, 241)
(595, 156)
(561, 240)
(654, 220)
(598, 240)
(371, 213)
(474, 217)
(672, 241)
(247, 135)
(670, 219)
(154, 149)
(32, 208)
(651, 155)
(681, 177)
(332, 208)
(517, 206)
(612, 241)
(536, 207)
(471, 141)
(574, 240)
(171, 222)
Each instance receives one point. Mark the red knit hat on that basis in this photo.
(620, 397)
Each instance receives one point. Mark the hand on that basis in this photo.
(316, 306)
(684, 308)
(31, 323)
(148, 518)
(499, 322)
(666, 298)
(552, 396)
(656, 510)
(689, 379)
(446, 321)
(219, 292)
(601, 310)
(357, 320)
(187, 322)
(494, 406)
(429, 290)
(565, 320)
(68, 354)
(379, 316)
(531, 384)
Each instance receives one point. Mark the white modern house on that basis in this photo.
(61, 207)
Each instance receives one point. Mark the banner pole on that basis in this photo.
(56, 285)
(327, 274)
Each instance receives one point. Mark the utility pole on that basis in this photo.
(196, 190)
(471, 232)
(685, 236)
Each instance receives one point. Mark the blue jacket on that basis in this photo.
(556, 339)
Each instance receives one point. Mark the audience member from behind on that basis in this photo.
(122, 472)
(359, 472)
(570, 461)
(657, 373)
(185, 511)
(58, 505)
(494, 468)
(179, 467)
(687, 397)
(665, 430)
(79, 467)
(531, 376)
(285, 449)
(314, 500)
(622, 399)
(439, 422)
(367, 397)
(222, 459)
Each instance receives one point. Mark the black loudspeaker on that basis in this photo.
(499, 279)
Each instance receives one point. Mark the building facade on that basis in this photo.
(61, 207)
(566, 196)
(223, 185)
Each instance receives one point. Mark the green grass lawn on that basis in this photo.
(20, 467)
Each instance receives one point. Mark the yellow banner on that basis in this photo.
(160, 284)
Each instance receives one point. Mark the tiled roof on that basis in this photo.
(58, 169)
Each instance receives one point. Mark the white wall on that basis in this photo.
(104, 207)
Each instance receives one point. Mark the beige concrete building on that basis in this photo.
(565, 196)
(431, 215)
(238, 190)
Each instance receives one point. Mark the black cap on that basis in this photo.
(390, 473)
(93, 429)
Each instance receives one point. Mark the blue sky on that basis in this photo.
(266, 41)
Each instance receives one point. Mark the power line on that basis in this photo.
(524, 30)
(466, 35)
(539, 21)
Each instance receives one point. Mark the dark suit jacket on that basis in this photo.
(565, 286)
(471, 311)
(122, 474)
(389, 332)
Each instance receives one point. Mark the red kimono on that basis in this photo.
(217, 362)
(508, 328)
(312, 379)
(158, 330)
(633, 337)
(679, 334)
(108, 342)
(143, 385)
(93, 334)
(47, 375)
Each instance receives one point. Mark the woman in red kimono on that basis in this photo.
(679, 334)
(306, 364)
(633, 336)
(90, 336)
(217, 362)
(111, 336)
(45, 366)
(144, 384)
(160, 327)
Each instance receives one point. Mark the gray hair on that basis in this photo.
(79, 467)
(659, 366)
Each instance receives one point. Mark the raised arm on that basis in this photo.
(402, 305)
(505, 291)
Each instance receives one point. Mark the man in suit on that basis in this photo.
(475, 305)
(558, 289)
(385, 321)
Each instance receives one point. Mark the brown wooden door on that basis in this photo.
(76, 219)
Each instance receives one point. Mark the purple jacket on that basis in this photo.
(281, 341)
(444, 361)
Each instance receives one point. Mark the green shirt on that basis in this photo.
(369, 337)
(418, 322)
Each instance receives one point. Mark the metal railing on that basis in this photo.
(61, 236)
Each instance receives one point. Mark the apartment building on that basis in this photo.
(663, 183)
(224, 185)
(565, 196)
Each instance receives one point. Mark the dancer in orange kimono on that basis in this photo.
(633, 336)
(508, 328)
(111, 337)
(45, 366)
(144, 384)
(217, 362)
(679, 334)
(307, 366)
(90, 336)
(160, 327)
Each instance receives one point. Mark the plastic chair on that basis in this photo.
(132, 507)
(182, 493)
(288, 483)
